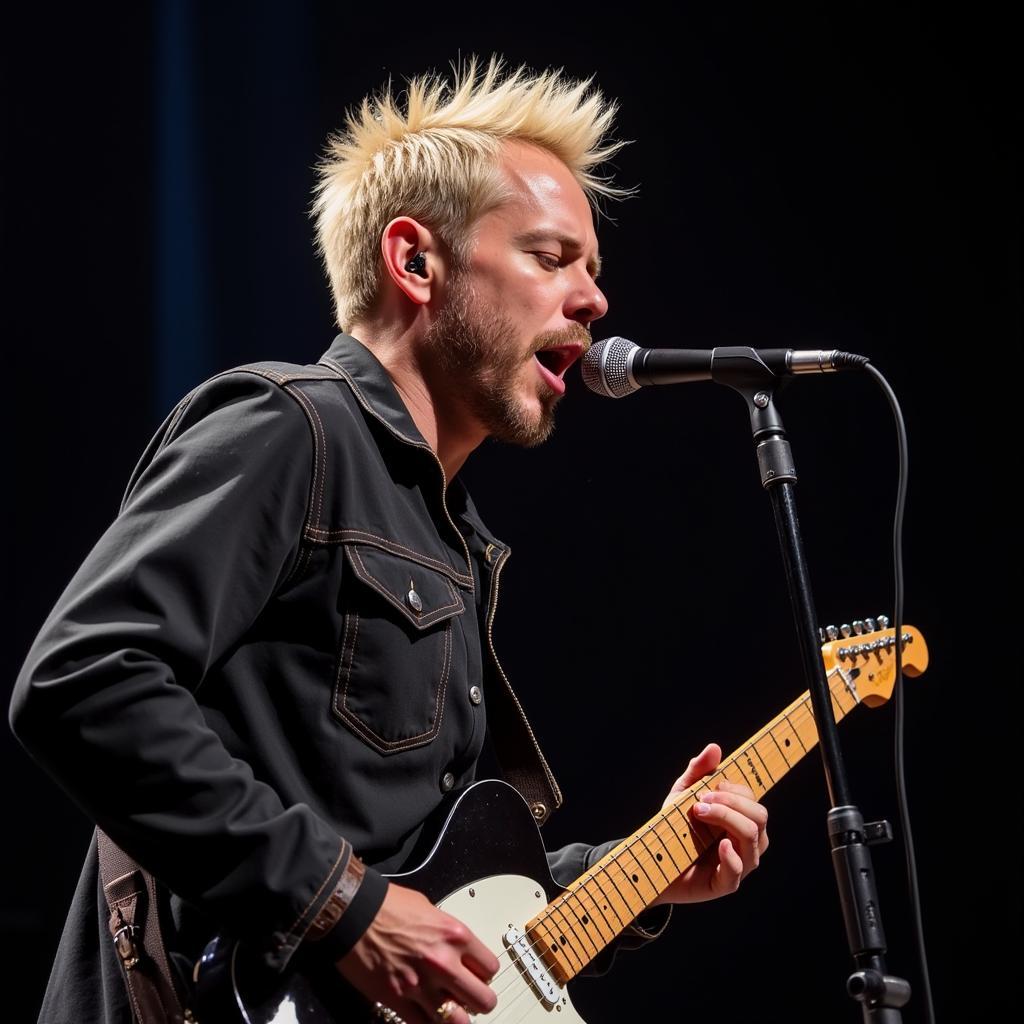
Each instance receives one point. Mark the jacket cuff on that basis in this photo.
(342, 920)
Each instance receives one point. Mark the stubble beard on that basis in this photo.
(478, 349)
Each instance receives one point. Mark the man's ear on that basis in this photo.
(412, 259)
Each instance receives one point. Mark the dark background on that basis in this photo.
(808, 178)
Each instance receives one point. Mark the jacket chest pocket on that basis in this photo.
(396, 649)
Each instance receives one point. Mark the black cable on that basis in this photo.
(901, 782)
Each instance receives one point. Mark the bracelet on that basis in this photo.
(339, 900)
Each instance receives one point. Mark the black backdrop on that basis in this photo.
(808, 179)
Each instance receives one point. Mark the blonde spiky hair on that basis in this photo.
(438, 163)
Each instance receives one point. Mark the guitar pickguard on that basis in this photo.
(491, 907)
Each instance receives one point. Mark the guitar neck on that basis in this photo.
(580, 923)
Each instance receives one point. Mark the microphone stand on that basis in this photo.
(880, 994)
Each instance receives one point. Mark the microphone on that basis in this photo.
(616, 367)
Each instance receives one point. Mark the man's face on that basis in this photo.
(517, 318)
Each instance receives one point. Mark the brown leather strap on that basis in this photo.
(523, 765)
(134, 926)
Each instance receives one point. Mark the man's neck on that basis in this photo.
(451, 440)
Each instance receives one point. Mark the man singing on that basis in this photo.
(277, 661)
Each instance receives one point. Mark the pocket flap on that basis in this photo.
(423, 595)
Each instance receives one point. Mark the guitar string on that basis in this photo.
(800, 716)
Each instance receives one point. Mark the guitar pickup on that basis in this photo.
(531, 966)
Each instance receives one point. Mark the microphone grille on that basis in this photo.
(605, 368)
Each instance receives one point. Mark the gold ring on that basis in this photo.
(446, 1011)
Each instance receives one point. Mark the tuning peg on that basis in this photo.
(832, 633)
(821, 635)
(871, 624)
(883, 621)
(858, 627)
(845, 629)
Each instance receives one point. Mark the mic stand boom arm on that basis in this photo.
(880, 994)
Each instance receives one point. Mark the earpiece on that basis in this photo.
(418, 264)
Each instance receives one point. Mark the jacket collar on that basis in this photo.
(376, 392)
(374, 389)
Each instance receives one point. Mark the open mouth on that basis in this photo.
(554, 361)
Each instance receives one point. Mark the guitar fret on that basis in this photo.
(584, 921)
(588, 915)
(737, 773)
(775, 766)
(655, 859)
(748, 778)
(837, 711)
(806, 728)
(608, 903)
(752, 749)
(637, 862)
(688, 841)
(635, 880)
(838, 689)
(632, 912)
(776, 726)
(768, 751)
(667, 846)
(803, 747)
(564, 942)
(540, 938)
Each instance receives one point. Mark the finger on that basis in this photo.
(450, 978)
(476, 956)
(468, 990)
(730, 868)
(483, 963)
(735, 787)
(703, 764)
(744, 833)
(440, 1007)
(745, 805)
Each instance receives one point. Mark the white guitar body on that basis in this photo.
(491, 908)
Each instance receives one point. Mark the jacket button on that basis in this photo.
(415, 603)
(475, 695)
(447, 782)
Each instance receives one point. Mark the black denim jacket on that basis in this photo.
(276, 654)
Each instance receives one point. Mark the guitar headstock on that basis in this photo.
(869, 646)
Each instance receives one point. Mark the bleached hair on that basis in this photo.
(437, 162)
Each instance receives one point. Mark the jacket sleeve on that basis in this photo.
(568, 863)
(106, 701)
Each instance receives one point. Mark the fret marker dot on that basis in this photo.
(586, 920)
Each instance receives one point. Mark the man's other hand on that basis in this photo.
(729, 808)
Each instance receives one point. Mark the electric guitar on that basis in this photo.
(488, 869)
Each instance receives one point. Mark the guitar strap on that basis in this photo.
(134, 925)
